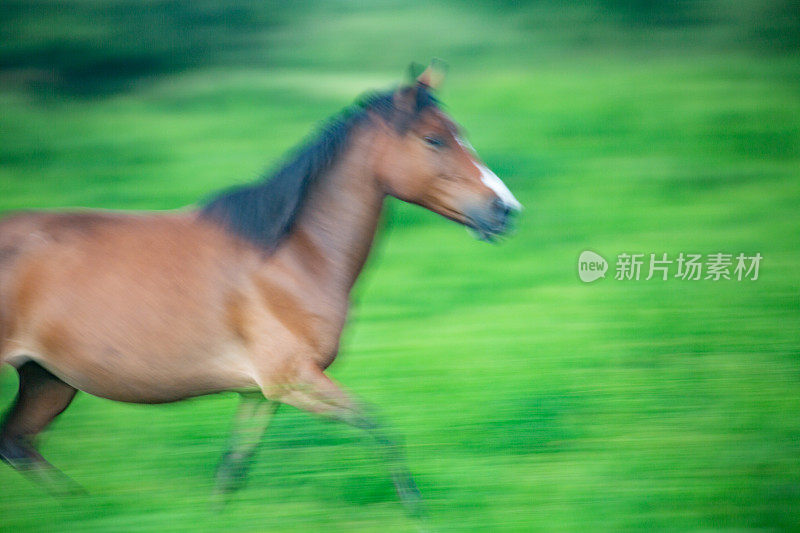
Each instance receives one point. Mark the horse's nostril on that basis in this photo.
(500, 208)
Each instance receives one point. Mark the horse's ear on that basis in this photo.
(433, 76)
(406, 94)
(405, 98)
(413, 72)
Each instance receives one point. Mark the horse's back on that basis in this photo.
(27, 231)
(28, 236)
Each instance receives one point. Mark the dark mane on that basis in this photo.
(264, 212)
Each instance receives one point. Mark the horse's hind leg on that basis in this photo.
(252, 418)
(41, 398)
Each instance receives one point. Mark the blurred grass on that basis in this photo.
(529, 401)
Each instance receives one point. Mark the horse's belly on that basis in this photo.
(162, 377)
(129, 358)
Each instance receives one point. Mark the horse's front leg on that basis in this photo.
(314, 392)
(251, 421)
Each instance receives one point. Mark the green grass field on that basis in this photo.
(529, 401)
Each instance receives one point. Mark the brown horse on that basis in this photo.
(249, 292)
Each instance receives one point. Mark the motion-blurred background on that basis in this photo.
(529, 400)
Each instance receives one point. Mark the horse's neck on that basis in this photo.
(334, 232)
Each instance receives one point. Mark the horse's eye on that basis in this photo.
(436, 142)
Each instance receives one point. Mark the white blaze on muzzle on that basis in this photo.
(491, 180)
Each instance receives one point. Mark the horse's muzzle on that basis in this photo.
(492, 221)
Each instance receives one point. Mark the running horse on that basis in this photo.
(247, 292)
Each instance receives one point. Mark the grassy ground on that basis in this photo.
(529, 401)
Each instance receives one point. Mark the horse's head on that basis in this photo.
(425, 160)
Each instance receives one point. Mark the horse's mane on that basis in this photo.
(264, 212)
